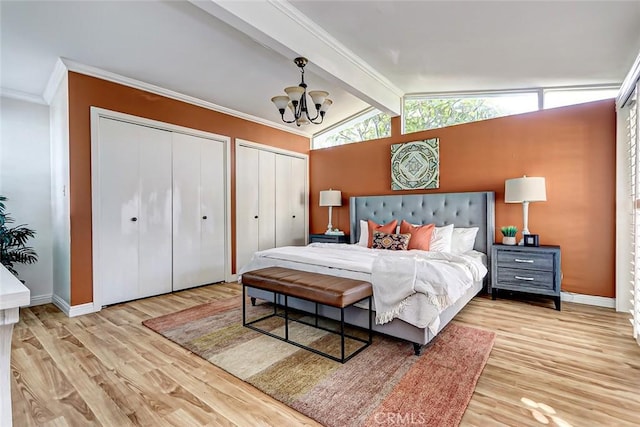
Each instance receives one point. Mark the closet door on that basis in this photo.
(154, 222)
(198, 211)
(267, 200)
(134, 228)
(117, 260)
(212, 211)
(186, 211)
(247, 204)
(291, 177)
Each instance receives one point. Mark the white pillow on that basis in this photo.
(364, 233)
(441, 239)
(463, 239)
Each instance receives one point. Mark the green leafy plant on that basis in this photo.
(13, 242)
(509, 231)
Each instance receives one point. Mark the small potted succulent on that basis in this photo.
(509, 234)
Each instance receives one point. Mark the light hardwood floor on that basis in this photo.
(577, 367)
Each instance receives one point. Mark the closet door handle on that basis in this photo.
(256, 217)
(134, 219)
(204, 217)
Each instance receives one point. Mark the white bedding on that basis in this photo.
(415, 286)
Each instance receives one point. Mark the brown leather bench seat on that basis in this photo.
(321, 288)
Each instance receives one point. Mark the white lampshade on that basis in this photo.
(280, 101)
(325, 105)
(331, 198)
(294, 92)
(525, 189)
(318, 97)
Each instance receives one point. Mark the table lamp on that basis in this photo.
(330, 198)
(525, 190)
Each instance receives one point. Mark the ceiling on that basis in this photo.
(238, 54)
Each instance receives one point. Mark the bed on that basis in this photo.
(463, 210)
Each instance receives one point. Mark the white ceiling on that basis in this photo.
(238, 54)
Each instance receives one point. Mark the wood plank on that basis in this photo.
(580, 363)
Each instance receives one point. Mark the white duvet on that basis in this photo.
(403, 281)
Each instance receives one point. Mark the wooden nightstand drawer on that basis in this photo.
(523, 259)
(523, 280)
(328, 238)
(534, 270)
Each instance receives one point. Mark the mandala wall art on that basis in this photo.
(415, 165)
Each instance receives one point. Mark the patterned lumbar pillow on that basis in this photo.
(393, 242)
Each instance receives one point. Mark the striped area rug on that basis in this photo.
(384, 385)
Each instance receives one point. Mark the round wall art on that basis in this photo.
(415, 165)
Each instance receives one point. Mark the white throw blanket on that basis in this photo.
(442, 277)
(395, 275)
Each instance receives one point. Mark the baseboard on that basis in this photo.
(75, 310)
(40, 299)
(588, 299)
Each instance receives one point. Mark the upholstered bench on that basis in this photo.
(318, 288)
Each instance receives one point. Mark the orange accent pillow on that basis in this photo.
(389, 228)
(420, 235)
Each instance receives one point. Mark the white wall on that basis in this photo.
(25, 179)
(61, 219)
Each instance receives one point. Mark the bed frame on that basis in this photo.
(460, 209)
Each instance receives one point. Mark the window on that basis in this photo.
(570, 96)
(432, 112)
(370, 124)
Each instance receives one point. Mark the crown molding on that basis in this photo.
(279, 26)
(57, 75)
(323, 36)
(66, 64)
(22, 96)
(629, 83)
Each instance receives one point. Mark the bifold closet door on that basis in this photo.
(291, 178)
(198, 211)
(134, 168)
(255, 203)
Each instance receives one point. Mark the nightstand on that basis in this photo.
(328, 238)
(534, 270)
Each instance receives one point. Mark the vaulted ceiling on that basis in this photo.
(238, 54)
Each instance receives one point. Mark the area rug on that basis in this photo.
(386, 384)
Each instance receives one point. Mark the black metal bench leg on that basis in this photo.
(244, 308)
(342, 333)
(253, 301)
(370, 323)
(286, 318)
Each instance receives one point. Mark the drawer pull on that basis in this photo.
(530, 261)
(529, 279)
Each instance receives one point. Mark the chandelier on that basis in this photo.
(296, 100)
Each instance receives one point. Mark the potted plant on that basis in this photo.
(509, 234)
(13, 242)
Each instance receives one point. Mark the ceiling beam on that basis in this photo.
(279, 26)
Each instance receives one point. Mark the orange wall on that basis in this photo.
(84, 92)
(572, 147)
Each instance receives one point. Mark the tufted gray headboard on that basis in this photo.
(459, 209)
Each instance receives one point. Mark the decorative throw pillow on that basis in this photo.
(392, 242)
(463, 239)
(441, 239)
(389, 228)
(420, 235)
